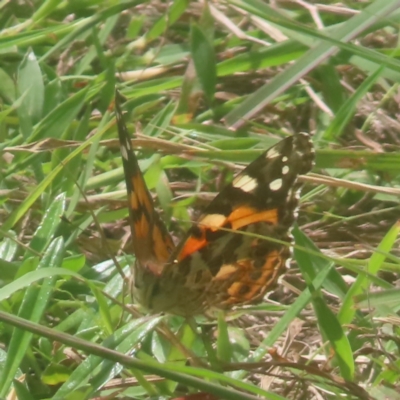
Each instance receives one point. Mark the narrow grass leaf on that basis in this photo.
(30, 278)
(363, 159)
(32, 308)
(30, 83)
(99, 37)
(83, 27)
(31, 89)
(60, 118)
(332, 90)
(21, 391)
(30, 38)
(304, 298)
(86, 169)
(154, 86)
(333, 331)
(388, 297)
(339, 34)
(327, 321)
(174, 12)
(98, 370)
(19, 212)
(72, 173)
(204, 60)
(164, 194)
(47, 228)
(7, 87)
(74, 263)
(104, 308)
(192, 377)
(8, 247)
(46, 8)
(7, 270)
(160, 122)
(349, 107)
(258, 100)
(275, 55)
(348, 309)
(224, 347)
(311, 264)
(188, 103)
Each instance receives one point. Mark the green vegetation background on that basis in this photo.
(209, 86)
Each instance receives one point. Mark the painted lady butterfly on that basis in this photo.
(226, 258)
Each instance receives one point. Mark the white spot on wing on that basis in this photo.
(124, 153)
(284, 159)
(285, 170)
(245, 182)
(272, 153)
(275, 185)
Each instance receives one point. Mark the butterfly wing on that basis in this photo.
(151, 241)
(226, 258)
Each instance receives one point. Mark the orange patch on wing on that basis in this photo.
(209, 222)
(238, 218)
(254, 288)
(162, 245)
(142, 228)
(192, 245)
(140, 197)
(244, 216)
(134, 201)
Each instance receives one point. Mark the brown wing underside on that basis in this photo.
(151, 241)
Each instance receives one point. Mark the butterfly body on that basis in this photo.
(235, 252)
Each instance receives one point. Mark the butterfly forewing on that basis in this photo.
(151, 241)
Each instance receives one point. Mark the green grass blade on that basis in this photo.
(256, 101)
(32, 197)
(32, 308)
(46, 230)
(347, 310)
(31, 88)
(204, 61)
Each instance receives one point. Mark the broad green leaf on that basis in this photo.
(31, 88)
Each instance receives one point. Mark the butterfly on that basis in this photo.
(235, 252)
